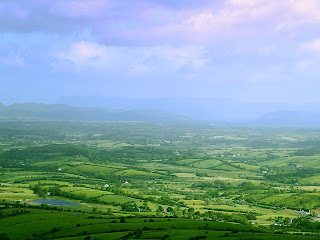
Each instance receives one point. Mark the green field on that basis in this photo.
(160, 181)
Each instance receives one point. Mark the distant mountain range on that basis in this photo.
(215, 110)
(291, 118)
(39, 111)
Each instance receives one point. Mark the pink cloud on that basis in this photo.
(157, 22)
(312, 46)
(74, 9)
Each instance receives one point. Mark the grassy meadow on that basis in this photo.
(145, 181)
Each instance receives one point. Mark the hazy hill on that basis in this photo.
(290, 118)
(210, 109)
(28, 111)
(66, 112)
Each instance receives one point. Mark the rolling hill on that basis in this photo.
(39, 111)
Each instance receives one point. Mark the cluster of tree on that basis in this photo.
(190, 213)
(234, 217)
(164, 199)
(133, 207)
(306, 152)
(56, 177)
(291, 174)
(130, 154)
(4, 236)
(29, 155)
(133, 235)
(303, 224)
(298, 200)
(43, 191)
(13, 213)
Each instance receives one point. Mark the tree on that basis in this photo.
(109, 212)
(207, 201)
(169, 209)
(4, 236)
(146, 207)
(160, 209)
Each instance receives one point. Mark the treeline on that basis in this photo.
(43, 191)
(29, 155)
(164, 199)
(291, 174)
(303, 224)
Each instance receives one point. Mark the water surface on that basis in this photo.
(56, 202)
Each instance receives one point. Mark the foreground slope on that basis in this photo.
(125, 180)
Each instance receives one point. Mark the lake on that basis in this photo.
(56, 202)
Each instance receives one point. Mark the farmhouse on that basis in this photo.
(303, 213)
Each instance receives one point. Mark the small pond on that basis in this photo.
(56, 202)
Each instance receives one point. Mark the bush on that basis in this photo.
(4, 236)
(199, 237)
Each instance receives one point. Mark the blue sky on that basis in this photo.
(250, 50)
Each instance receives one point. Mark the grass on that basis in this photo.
(42, 222)
(208, 176)
(117, 199)
(74, 226)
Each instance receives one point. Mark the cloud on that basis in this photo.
(158, 22)
(307, 10)
(247, 3)
(82, 52)
(134, 59)
(246, 18)
(311, 46)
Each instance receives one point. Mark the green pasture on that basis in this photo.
(73, 226)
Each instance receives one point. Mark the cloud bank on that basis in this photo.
(242, 49)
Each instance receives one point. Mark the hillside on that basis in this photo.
(65, 112)
(76, 180)
(293, 118)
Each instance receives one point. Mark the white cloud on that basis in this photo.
(312, 46)
(233, 17)
(135, 60)
(82, 52)
(156, 23)
(309, 10)
(201, 22)
(247, 17)
(245, 2)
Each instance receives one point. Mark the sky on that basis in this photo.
(246, 50)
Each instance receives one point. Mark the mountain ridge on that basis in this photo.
(42, 111)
